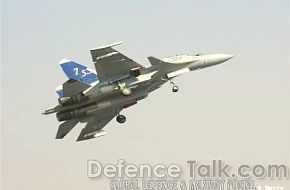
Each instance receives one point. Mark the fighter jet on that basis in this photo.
(118, 82)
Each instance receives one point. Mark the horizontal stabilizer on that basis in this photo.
(96, 134)
(93, 129)
(73, 87)
(66, 127)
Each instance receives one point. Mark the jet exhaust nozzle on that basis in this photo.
(70, 114)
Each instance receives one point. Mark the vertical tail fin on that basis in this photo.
(59, 91)
(74, 70)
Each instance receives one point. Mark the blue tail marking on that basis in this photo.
(74, 70)
(59, 91)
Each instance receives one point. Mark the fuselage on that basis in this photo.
(198, 61)
(96, 96)
(108, 94)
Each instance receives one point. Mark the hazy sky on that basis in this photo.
(237, 111)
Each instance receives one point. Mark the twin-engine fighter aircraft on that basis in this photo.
(95, 98)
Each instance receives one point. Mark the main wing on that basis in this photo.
(111, 64)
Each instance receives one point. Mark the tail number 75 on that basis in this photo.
(83, 73)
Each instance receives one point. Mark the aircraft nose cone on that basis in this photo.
(216, 59)
(225, 57)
